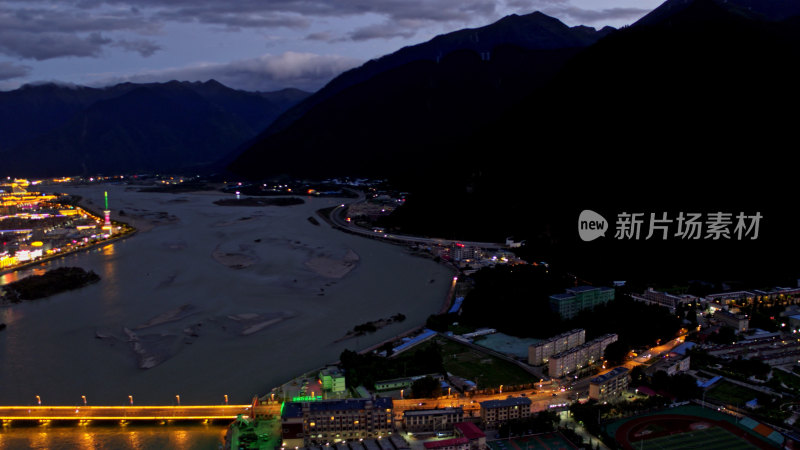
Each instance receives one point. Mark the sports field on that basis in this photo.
(546, 441)
(706, 439)
(688, 427)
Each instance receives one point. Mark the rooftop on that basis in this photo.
(609, 375)
(447, 443)
(469, 430)
(295, 409)
(426, 412)
(510, 401)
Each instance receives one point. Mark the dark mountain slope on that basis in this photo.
(35, 109)
(693, 113)
(765, 10)
(534, 31)
(384, 114)
(59, 130)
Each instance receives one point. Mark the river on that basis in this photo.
(190, 285)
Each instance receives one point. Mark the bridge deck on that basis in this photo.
(193, 412)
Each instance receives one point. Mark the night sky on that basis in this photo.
(247, 44)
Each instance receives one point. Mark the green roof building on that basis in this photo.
(579, 298)
(332, 379)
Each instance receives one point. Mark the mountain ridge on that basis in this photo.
(509, 59)
(45, 127)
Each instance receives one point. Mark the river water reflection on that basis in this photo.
(222, 300)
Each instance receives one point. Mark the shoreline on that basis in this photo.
(49, 258)
(124, 235)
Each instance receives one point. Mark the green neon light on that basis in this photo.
(307, 398)
(106, 200)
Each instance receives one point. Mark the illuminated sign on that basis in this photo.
(307, 398)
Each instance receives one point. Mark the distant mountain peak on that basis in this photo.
(765, 10)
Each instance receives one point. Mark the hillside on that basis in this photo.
(50, 129)
(385, 115)
(686, 114)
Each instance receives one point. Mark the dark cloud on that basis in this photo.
(9, 70)
(325, 36)
(290, 12)
(604, 15)
(47, 45)
(46, 33)
(83, 15)
(306, 71)
(45, 29)
(382, 31)
(141, 46)
(69, 20)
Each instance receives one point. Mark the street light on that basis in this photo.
(178, 398)
(130, 397)
(39, 400)
(226, 398)
(83, 397)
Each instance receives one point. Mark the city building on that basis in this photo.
(495, 412)
(398, 442)
(577, 299)
(769, 350)
(776, 296)
(579, 357)
(461, 252)
(540, 353)
(329, 421)
(653, 297)
(610, 385)
(670, 365)
(432, 420)
(448, 444)
(477, 438)
(404, 383)
(739, 322)
(332, 379)
(394, 384)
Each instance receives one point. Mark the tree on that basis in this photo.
(387, 347)
(724, 336)
(683, 386)
(426, 387)
(691, 316)
(428, 360)
(439, 322)
(638, 376)
(616, 352)
(588, 414)
(660, 381)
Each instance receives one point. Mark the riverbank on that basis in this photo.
(59, 255)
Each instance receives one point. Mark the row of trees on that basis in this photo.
(50, 283)
(368, 368)
(515, 301)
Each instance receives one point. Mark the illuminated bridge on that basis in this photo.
(132, 413)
